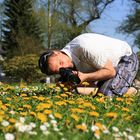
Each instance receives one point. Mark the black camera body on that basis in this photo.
(68, 76)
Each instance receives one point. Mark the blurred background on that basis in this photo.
(29, 27)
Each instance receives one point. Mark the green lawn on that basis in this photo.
(50, 112)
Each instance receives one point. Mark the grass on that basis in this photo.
(52, 112)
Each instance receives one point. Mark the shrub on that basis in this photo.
(23, 67)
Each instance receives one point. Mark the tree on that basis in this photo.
(21, 34)
(67, 19)
(1, 18)
(132, 24)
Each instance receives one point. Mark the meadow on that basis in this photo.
(53, 112)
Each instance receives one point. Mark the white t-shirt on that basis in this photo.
(91, 51)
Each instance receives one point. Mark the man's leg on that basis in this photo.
(126, 72)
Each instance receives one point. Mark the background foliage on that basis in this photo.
(23, 67)
(21, 32)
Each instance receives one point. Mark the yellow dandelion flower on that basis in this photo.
(58, 115)
(63, 95)
(93, 107)
(23, 113)
(85, 83)
(32, 113)
(57, 89)
(27, 106)
(26, 98)
(93, 113)
(43, 106)
(68, 93)
(100, 94)
(20, 109)
(87, 104)
(7, 105)
(61, 103)
(129, 101)
(125, 109)
(119, 99)
(117, 106)
(80, 101)
(81, 127)
(1, 112)
(75, 117)
(41, 98)
(41, 117)
(52, 85)
(12, 120)
(97, 134)
(58, 97)
(100, 100)
(78, 110)
(65, 89)
(1, 118)
(111, 114)
(34, 97)
(23, 95)
(47, 112)
(0, 102)
(8, 99)
(3, 107)
(70, 102)
(22, 85)
(128, 118)
(100, 126)
(67, 121)
(62, 85)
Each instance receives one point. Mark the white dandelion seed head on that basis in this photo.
(130, 137)
(47, 124)
(9, 136)
(129, 130)
(56, 129)
(12, 112)
(106, 131)
(138, 135)
(115, 129)
(46, 133)
(4, 123)
(22, 128)
(33, 125)
(29, 128)
(124, 133)
(51, 116)
(22, 119)
(32, 133)
(97, 136)
(43, 127)
(94, 128)
(53, 122)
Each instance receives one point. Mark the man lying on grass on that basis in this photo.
(94, 57)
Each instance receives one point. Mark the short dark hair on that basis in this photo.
(43, 62)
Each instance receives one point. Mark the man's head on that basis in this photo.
(52, 60)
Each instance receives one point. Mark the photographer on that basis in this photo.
(95, 58)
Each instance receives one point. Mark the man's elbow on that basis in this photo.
(112, 73)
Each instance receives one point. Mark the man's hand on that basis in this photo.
(81, 75)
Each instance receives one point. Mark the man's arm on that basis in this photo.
(107, 72)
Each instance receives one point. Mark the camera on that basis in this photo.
(68, 76)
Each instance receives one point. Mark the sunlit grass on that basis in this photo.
(53, 112)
